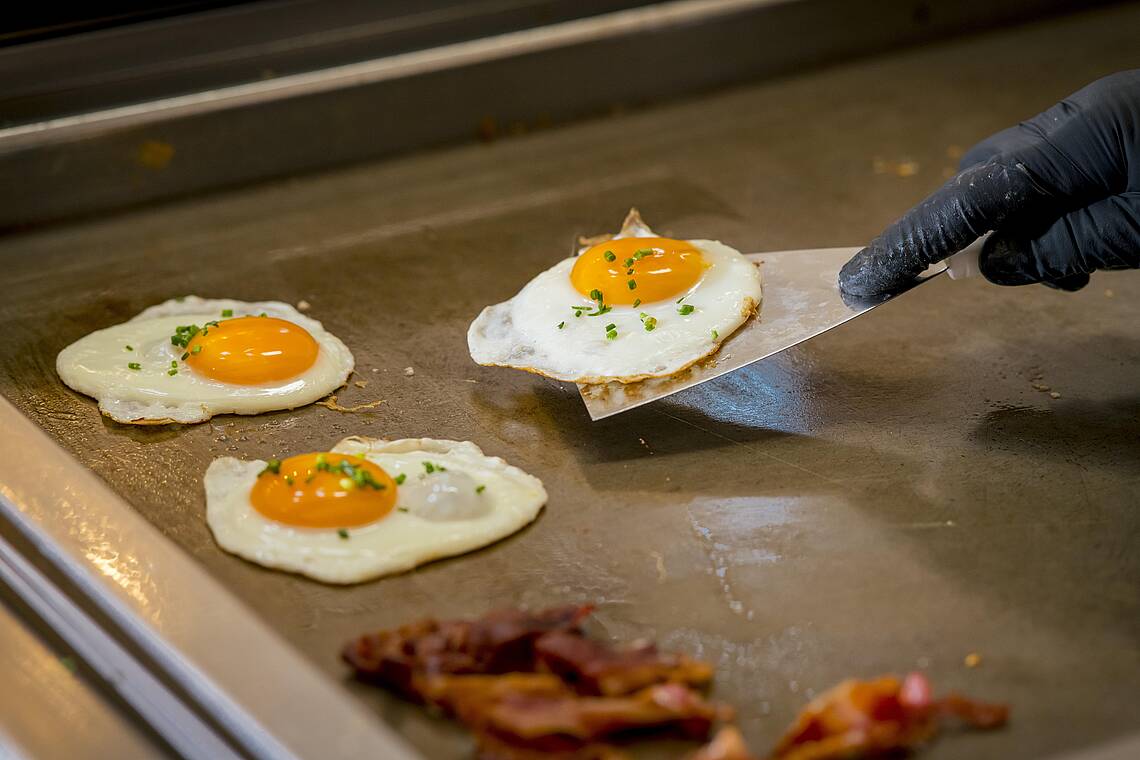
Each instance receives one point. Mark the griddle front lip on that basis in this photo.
(241, 673)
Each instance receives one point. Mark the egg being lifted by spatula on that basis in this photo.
(628, 308)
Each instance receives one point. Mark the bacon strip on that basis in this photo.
(499, 642)
(878, 717)
(595, 668)
(554, 723)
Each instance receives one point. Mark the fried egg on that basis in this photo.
(627, 308)
(367, 507)
(190, 358)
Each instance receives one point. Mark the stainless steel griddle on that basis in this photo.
(893, 498)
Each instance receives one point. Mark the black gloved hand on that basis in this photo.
(1061, 191)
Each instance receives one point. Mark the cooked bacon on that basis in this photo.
(564, 723)
(869, 718)
(728, 744)
(499, 642)
(594, 667)
(466, 695)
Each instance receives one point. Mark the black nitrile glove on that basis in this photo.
(1061, 192)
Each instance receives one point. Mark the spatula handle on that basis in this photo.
(964, 263)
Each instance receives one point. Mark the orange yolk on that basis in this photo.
(251, 350)
(658, 268)
(317, 491)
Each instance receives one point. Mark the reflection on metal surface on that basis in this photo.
(174, 612)
(801, 300)
(153, 702)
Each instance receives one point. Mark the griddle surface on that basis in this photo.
(892, 495)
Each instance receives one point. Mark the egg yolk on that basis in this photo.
(632, 269)
(251, 350)
(324, 490)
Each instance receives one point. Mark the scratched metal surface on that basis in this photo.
(894, 494)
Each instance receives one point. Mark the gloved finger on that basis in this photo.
(1004, 142)
(1071, 284)
(977, 200)
(1103, 235)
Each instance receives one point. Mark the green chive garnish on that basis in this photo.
(561, 325)
(610, 326)
(273, 466)
(346, 483)
(611, 335)
(609, 256)
(130, 348)
(342, 533)
(650, 324)
(480, 489)
(596, 294)
(636, 302)
(196, 350)
(289, 479)
(185, 356)
(172, 372)
(400, 479)
(632, 285)
(629, 262)
(227, 312)
(640, 254)
(686, 309)
(401, 509)
(134, 366)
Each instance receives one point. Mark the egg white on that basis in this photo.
(97, 366)
(399, 541)
(538, 331)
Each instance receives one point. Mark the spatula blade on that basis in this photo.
(801, 301)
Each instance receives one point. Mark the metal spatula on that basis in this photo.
(801, 301)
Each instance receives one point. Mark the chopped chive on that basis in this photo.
(183, 334)
(401, 509)
(641, 253)
(342, 533)
(686, 309)
(196, 350)
(289, 479)
(322, 462)
(609, 256)
(346, 483)
(632, 285)
(715, 334)
(227, 312)
(480, 489)
(682, 298)
(172, 372)
(212, 323)
(134, 365)
(629, 262)
(611, 334)
(185, 356)
(173, 364)
(636, 302)
(629, 271)
(273, 466)
(130, 348)
(610, 326)
(596, 294)
(561, 325)
(602, 309)
(577, 314)
(401, 478)
(263, 314)
(650, 324)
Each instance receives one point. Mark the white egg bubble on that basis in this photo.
(442, 496)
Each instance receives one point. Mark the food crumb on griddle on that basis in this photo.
(304, 306)
(972, 660)
(409, 371)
